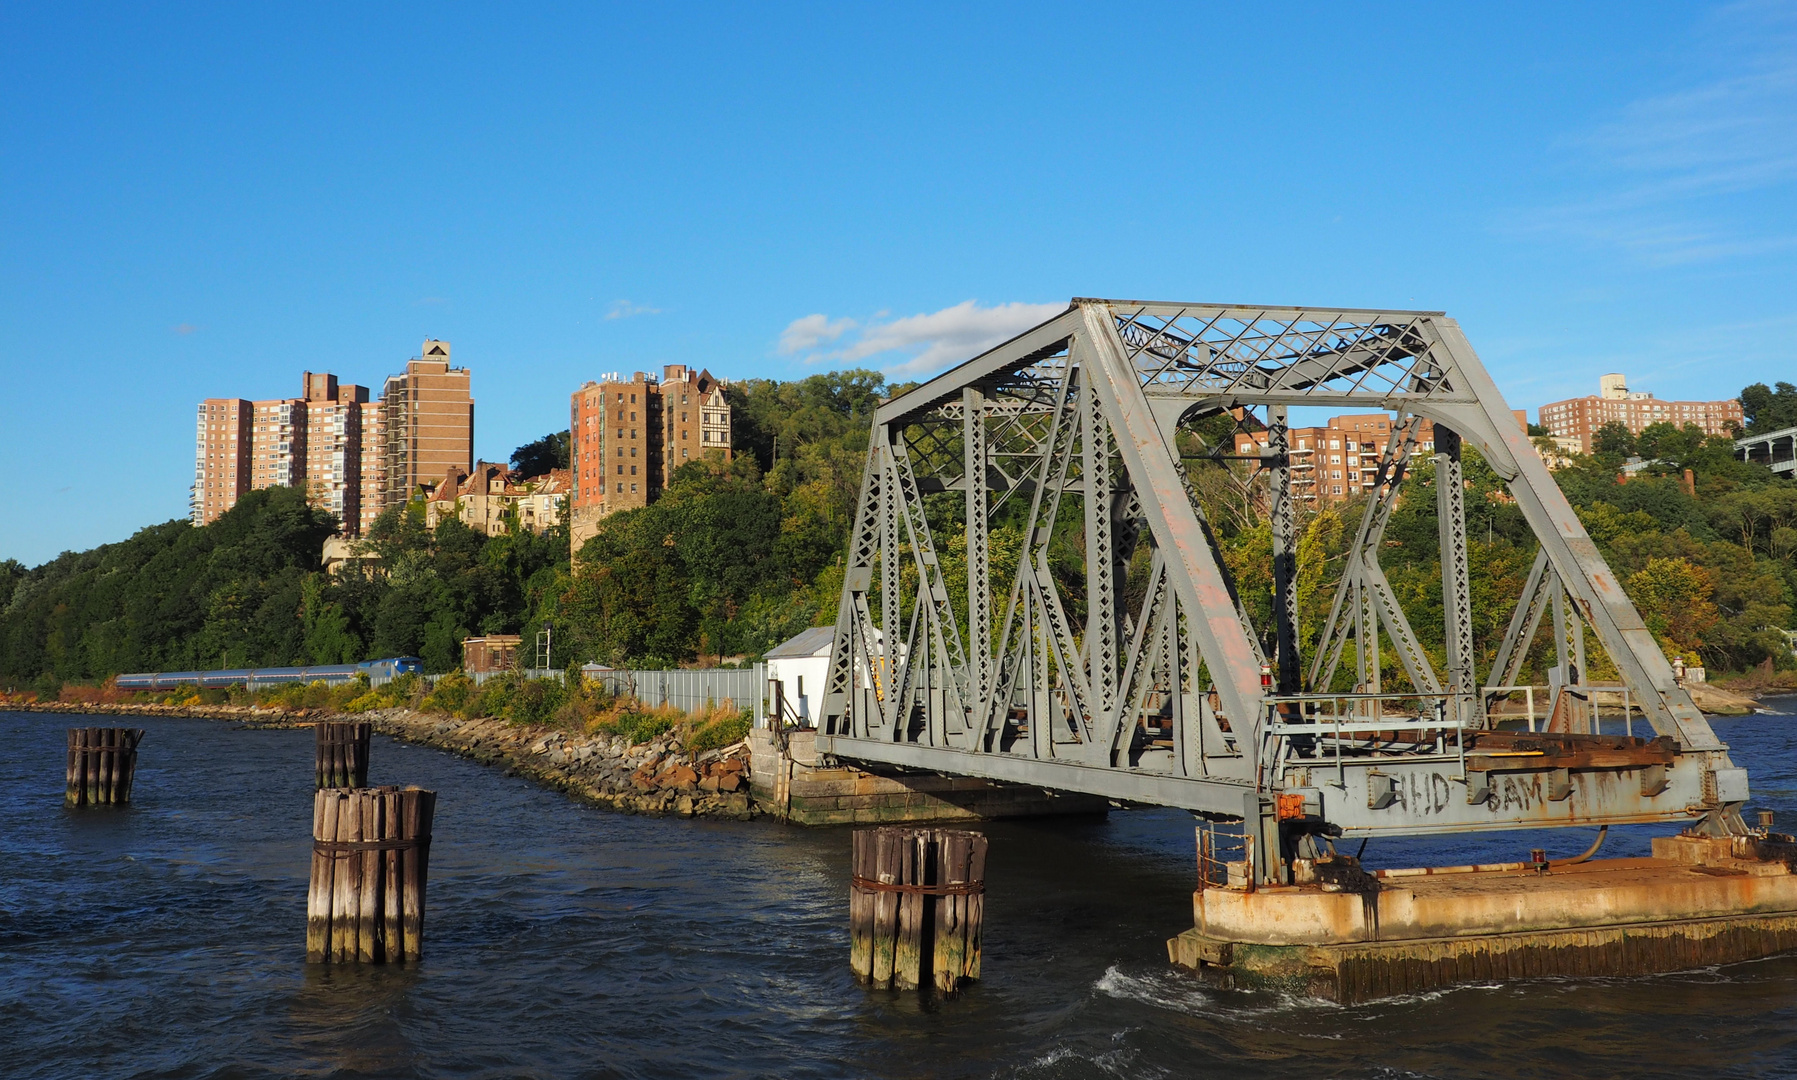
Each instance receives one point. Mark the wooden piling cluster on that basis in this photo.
(342, 755)
(101, 765)
(370, 859)
(916, 900)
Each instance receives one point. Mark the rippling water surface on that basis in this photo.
(167, 940)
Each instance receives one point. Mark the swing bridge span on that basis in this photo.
(958, 650)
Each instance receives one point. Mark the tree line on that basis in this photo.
(733, 558)
(738, 555)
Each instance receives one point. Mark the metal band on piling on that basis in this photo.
(962, 888)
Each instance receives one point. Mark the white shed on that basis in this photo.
(801, 664)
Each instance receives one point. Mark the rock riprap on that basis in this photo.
(655, 777)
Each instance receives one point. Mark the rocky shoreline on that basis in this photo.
(653, 777)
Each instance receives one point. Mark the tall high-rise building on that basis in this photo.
(353, 456)
(277, 442)
(1615, 403)
(372, 473)
(428, 413)
(221, 470)
(243, 445)
(628, 437)
(334, 447)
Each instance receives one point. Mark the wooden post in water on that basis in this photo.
(961, 908)
(342, 755)
(102, 762)
(916, 900)
(370, 859)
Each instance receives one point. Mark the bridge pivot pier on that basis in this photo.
(1341, 933)
(102, 762)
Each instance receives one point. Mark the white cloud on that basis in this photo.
(918, 344)
(624, 309)
(808, 333)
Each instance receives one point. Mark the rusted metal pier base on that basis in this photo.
(1351, 936)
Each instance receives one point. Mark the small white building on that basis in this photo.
(801, 665)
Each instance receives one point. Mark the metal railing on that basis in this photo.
(1219, 844)
(1587, 691)
(1367, 719)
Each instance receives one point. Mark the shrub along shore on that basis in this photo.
(608, 750)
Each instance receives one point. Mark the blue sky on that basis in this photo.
(203, 201)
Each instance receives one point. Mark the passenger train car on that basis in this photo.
(260, 677)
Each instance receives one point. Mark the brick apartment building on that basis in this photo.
(429, 422)
(627, 438)
(333, 441)
(1579, 418)
(333, 446)
(1339, 460)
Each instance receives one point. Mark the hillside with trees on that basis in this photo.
(738, 555)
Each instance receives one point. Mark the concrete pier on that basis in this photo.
(797, 785)
(1351, 936)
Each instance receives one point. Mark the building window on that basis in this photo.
(633, 470)
(633, 489)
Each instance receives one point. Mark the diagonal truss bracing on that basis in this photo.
(1100, 644)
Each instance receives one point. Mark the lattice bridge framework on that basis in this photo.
(957, 649)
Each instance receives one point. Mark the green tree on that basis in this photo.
(1767, 408)
(1614, 438)
(541, 455)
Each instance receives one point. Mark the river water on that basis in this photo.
(167, 940)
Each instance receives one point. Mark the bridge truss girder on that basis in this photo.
(972, 671)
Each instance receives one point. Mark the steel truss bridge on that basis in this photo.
(957, 650)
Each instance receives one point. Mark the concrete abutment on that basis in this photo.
(797, 786)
